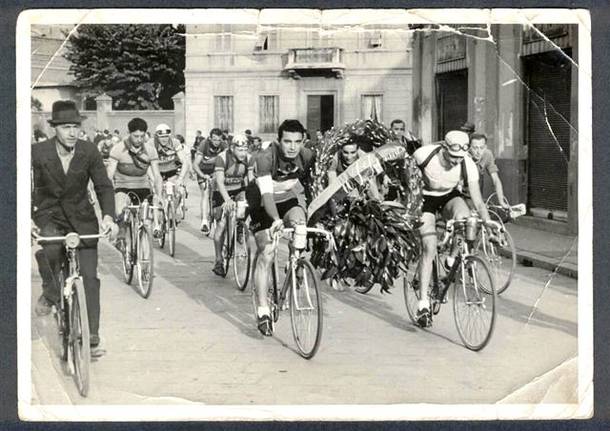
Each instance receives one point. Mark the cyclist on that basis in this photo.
(106, 145)
(233, 171)
(204, 164)
(173, 157)
(277, 197)
(132, 163)
(348, 153)
(61, 169)
(486, 162)
(443, 166)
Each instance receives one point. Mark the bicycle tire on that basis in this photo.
(411, 294)
(470, 301)
(364, 289)
(241, 256)
(145, 265)
(171, 226)
(128, 254)
(164, 226)
(80, 337)
(502, 267)
(227, 248)
(301, 305)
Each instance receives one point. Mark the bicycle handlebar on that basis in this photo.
(287, 230)
(51, 239)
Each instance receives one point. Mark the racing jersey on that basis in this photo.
(168, 154)
(236, 172)
(209, 153)
(439, 181)
(337, 163)
(284, 178)
(132, 167)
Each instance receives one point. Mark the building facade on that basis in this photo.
(50, 78)
(519, 89)
(240, 77)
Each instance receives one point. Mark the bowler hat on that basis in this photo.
(65, 112)
(467, 127)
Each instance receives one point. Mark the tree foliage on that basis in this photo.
(139, 66)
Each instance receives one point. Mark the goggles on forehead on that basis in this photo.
(163, 132)
(457, 147)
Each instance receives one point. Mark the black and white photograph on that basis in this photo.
(304, 214)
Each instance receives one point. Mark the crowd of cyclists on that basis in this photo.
(272, 177)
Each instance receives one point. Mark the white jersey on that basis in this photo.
(438, 180)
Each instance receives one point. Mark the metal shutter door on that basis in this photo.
(549, 81)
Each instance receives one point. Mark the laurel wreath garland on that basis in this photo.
(376, 241)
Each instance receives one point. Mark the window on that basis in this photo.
(223, 112)
(222, 37)
(369, 39)
(372, 107)
(269, 114)
(267, 41)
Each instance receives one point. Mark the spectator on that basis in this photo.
(117, 133)
(467, 127)
(405, 137)
(181, 139)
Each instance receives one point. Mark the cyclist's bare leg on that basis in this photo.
(121, 200)
(428, 233)
(205, 206)
(219, 234)
(157, 214)
(264, 259)
(458, 209)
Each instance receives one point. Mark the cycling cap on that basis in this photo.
(457, 143)
(163, 129)
(240, 140)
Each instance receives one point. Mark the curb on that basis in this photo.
(527, 258)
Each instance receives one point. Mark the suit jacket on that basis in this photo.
(62, 198)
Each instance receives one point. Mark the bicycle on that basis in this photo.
(170, 220)
(236, 244)
(137, 247)
(300, 289)
(71, 311)
(474, 293)
(500, 250)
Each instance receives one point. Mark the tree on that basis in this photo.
(139, 66)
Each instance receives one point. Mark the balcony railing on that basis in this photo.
(315, 62)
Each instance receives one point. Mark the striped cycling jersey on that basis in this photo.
(168, 154)
(209, 153)
(236, 171)
(284, 178)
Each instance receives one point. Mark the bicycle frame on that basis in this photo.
(293, 256)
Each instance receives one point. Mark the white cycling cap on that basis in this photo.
(163, 129)
(455, 141)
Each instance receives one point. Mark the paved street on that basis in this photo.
(195, 340)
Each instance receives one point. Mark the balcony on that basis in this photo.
(303, 62)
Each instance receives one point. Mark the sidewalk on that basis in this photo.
(545, 250)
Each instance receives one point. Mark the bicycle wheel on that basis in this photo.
(144, 263)
(412, 293)
(164, 226)
(364, 289)
(227, 247)
(305, 309)
(171, 228)
(241, 255)
(502, 263)
(474, 303)
(128, 254)
(80, 348)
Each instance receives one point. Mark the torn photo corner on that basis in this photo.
(511, 333)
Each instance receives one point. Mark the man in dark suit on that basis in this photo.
(62, 167)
